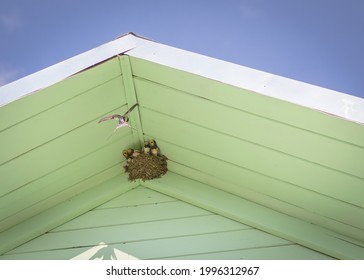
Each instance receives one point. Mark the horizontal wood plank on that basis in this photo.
(38, 206)
(57, 153)
(63, 212)
(132, 215)
(170, 232)
(131, 233)
(196, 244)
(253, 157)
(284, 252)
(270, 108)
(258, 216)
(17, 202)
(31, 105)
(269, 133)
(309, 205)
(58, 120)
(157, 249)
(115, 252)
(270, 202)
(139, 196)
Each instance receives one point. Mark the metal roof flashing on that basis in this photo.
(307, 95)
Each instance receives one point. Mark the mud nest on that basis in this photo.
(146, 167)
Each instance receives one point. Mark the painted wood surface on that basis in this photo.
(146, 224)
(291, 159)
(62, 212)
(53, 146)
(288, 159)
(258, 216)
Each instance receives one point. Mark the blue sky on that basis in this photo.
(315, 41)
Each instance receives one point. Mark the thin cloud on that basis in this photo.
(251, 10)
(9, 22)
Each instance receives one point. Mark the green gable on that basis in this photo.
(146, 224)
(248, 147)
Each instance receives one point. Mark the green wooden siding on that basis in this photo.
(289, 158)
(258, 216)
(149, 225)
(57, 214)
(230, 151)
(54, 143)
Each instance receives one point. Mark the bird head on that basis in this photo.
(146, 143)
(153, 143)
(125, 153)
(130, 152)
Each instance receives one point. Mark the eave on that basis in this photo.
(264, 145)
(307, 95)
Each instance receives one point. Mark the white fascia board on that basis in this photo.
(64, 69)
(303, 94)
(307, 95)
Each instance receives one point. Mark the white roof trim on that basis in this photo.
(64, 69)
(322, 99)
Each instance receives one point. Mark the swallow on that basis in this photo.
(128, 154)
(135, 153)
(154, 149)
(122, 119)
(146, 148)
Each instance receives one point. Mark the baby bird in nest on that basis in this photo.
(154, 149)
(130, 154)
(146, 148)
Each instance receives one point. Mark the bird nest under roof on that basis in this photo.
(147, 164)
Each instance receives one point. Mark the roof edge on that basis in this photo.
(307, 95)
(304, 94)
(58, 72)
